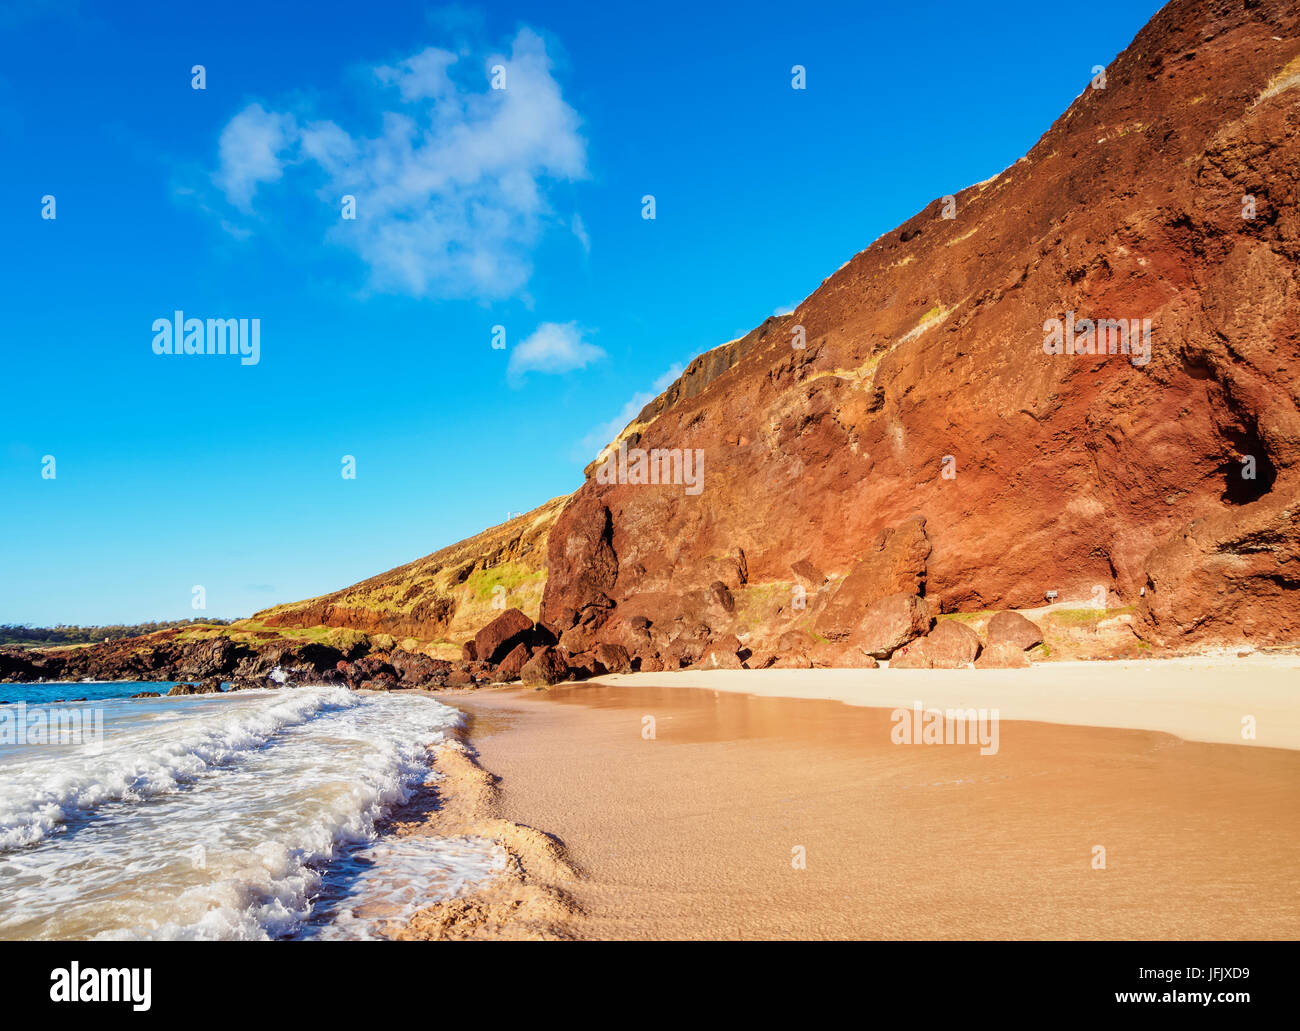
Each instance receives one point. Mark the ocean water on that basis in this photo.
(255, 815)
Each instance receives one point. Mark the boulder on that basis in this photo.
(460, 678)
(911, 656)
(890, 623)
(720, 594)
(494, 641)
(723, 653)
(1013, 628)
(468, 652)
(613, 657)
(839, 655)
(578, 638)
(950, 645)
(546, 667)
(1003, 655)
(683, 651)
(512, 665)
(584, 666)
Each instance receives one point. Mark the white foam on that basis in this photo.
(37, 798)
(276, 840)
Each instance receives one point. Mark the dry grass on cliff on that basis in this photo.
(435, 602)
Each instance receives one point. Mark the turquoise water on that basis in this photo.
(93, 691)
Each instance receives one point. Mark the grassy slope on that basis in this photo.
(438, 601)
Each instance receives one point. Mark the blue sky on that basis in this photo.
(475, 207)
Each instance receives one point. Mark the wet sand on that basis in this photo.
(695, 833)
(1202, 698)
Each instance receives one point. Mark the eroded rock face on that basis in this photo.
(1013, 628)
(894, 564)
(924, 387)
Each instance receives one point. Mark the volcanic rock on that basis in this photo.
(613, 657)
(546, 667)
(723, 653)
(512, 665)
(494, 641)
(890, 623)
(895, 564)
(720, 594)
(1003, 655)
(807, 573)
(911, 656)
(1013, 628)
(950, 645)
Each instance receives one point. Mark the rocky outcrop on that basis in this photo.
(613, 658)
(725, 653)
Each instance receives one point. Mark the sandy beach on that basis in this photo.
(1199, 699)
(763, 808)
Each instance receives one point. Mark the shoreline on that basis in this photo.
(690, 834)
(1202, 698)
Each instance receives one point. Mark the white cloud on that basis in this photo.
(452, 191)
(579, 229)
(553, 347)
(250, 152)
(421, 77)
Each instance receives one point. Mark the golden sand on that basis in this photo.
(698, 831)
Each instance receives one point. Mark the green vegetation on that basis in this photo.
(967, 617)
(253, 631)
(45, 637)
(509, 575)
(1086, 616)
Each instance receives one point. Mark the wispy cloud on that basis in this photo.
(553, 347)
(579, 229)
(251, 150)
(594, 441)
(451, 194)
